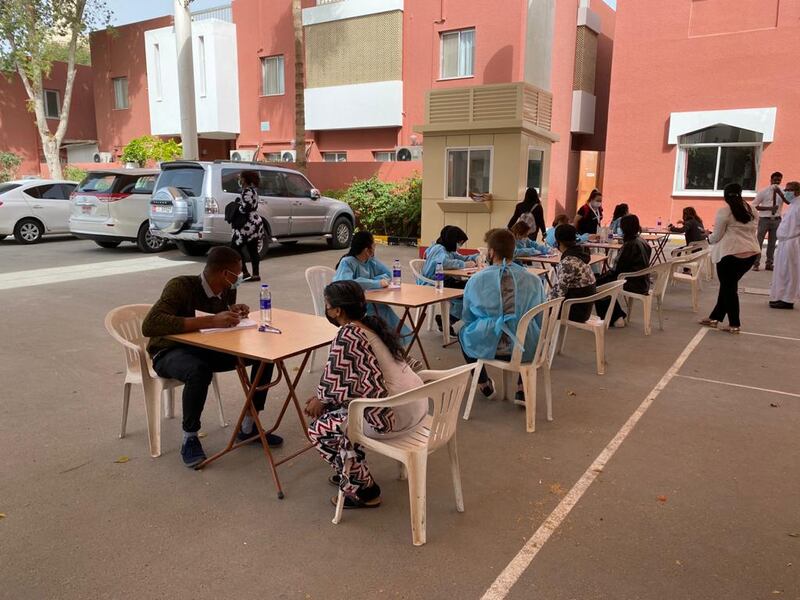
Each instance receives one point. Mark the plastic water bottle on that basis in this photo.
(397, 273)
(438, 277)
(265, 302)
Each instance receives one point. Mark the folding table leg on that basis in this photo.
(415, 332)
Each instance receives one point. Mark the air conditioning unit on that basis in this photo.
(243, 155)
(407, 153)
(102, 157)
(288, 155)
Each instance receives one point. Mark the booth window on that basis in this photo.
(469, 171)
(711, 158)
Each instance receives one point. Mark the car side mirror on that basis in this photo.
(314, 194)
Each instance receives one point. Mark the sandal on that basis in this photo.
(351, 503)
(731, 329)
(709, 323)
(493, 390)
(335, 479)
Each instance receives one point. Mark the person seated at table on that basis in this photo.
(361, 266)
(213, 291)
(575, 277)
(439, 240)
(525, 246)
(365, 361)
(633, 256)
(495, 299)
(446, 252)
(691, 226)
(620, 210)
(550, 236)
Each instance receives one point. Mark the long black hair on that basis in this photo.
(443, 234)
(733, 197)
(629, 224)
(453, 237)
(620, 210)
(361, 241)
(531, 198)
(348, 296)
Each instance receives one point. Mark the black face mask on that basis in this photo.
(331, 320)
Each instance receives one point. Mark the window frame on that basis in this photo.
(334, 153)
(263, 60)
(58, 104)
(468, 149)
(458, 32)
(392, 153)
(114, 81)
(681, 161)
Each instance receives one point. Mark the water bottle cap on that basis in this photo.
(264, 285)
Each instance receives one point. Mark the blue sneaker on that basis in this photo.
(192, 452)
(273, 441)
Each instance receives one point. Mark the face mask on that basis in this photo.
(789, 195)
(239, 280)
(460, 245)
(331, 320)
(595, 204)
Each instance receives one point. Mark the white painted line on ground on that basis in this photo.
(511, 574)
(777, 337)
(20, 279)
(739, 385)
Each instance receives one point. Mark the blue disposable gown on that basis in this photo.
(450, 260)
(550, 237)
(483, 317)
(528, 247)
(368, 275)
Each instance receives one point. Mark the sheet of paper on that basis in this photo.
(243, 324)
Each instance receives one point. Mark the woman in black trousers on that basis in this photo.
(735, 249)
(530, 210)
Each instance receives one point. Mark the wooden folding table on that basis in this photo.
(409, 296)
(300, 334)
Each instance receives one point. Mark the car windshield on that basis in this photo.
(7, 187)
(97, 182)
(187, 179)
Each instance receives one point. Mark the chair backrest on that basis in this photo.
(662, 273)
(446, 394)
(690, 249)
(547, 332)
(417, 265)
(317, 278)
(124, 323)
(608, 290)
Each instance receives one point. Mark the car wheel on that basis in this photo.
(28, 231)
(2, 237)
(192, 248)
(147, 242)
(108, 244)
(264, 242)
(342, 233)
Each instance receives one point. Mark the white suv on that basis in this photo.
(30, 208)
(111, 207)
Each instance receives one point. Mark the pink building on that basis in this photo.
(703, 94)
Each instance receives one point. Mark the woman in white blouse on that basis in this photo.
(735, 250)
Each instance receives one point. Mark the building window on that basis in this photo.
(711, 158)
(272, 76)
(157, 70)
(334, 156)
(458, 54)
(120, 93)
(52, 104)
(469, 171)
(535, 162)
(385, 156)
(201, 66)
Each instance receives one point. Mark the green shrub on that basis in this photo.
(9, 163)
(142, 149)
(392, 209)
(73, 173)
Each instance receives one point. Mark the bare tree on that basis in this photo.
(28, 29)
(299, 85)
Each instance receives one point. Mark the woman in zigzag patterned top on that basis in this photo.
(365, 361)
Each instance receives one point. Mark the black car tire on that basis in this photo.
(28, 231)
(192, 248)
(263, 246)
(108, 244)
(341, 234)
(147, 242)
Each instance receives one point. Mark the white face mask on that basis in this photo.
(595, 204)
(789, 195)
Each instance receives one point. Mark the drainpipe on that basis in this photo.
(183, 43)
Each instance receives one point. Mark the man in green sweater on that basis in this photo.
(213, 291)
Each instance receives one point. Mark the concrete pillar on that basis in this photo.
(183, 43)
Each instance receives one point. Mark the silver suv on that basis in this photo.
(189, 198)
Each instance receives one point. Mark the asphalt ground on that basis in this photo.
(697, 495)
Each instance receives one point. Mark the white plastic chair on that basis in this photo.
(318, 278)
(689, 266)
(443, 308)
(594, 324)
(527, 371)
(445, 391)
(661, 273)
(124, 324)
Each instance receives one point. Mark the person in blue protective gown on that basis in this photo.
(525, 246)
(495, 299)
(445, 251)
(361, 266)
(550, 236)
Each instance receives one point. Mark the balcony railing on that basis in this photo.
(219, 13)
(320, 2)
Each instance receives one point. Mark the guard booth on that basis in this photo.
(483, 146)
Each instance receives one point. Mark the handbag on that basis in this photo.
(234, 216)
